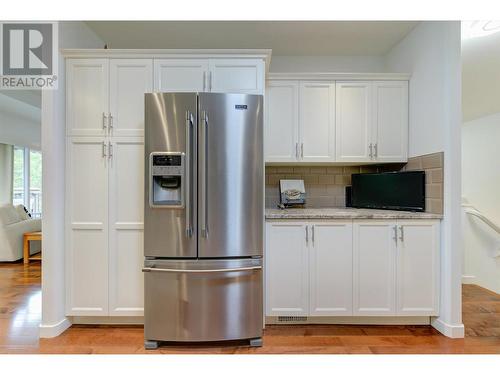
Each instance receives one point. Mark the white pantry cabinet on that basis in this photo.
(372, 121)
(87, 93)
(209, 75)
(129, 80)
(306, 264)
(105, 195)
(87, 255)
(126, 217)
(300, 121)
(352, 268)
(106, 97)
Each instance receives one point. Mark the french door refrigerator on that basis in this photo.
(203, 217)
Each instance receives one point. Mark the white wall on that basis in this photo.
(431, 53)
(19, 123)
(481, 187)
(326, 64)
(54, 321)
(423, 54)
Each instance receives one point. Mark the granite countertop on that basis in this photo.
(345, 213)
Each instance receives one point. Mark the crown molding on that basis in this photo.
(339, 76)
(264, 54)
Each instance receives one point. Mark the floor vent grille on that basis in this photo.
(292, 318)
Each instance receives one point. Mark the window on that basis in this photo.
(35, 187)
(27, 180)
(19, 180)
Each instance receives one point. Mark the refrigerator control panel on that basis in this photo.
(166, 178)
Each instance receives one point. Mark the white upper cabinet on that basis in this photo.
(130, 79)
(330, 268)
(372, 121)
(353, 121)
(317, 121)
(390, 121)
(87, 92)
(179, 75)
(236, 76)
(374, 268)
(209, 75)
(281, 121)
(418, 268)
(286, 269)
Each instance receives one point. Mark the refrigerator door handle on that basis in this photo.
(178, 270)
(204, 163)
(188, 187)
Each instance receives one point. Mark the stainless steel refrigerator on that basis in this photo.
(203, 217)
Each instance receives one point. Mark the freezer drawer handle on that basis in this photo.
(151, 269)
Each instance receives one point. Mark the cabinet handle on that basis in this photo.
(210, 81)
(375, 148)
(307, 234)
(204, 80)
(110, 118)
(296, 150)
(402, 235)
(110, 150)
(312, 229)
(103, 149)
(395, 238)
(302, 150)
(371, 150)
(104, 121)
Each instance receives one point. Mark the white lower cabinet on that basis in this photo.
(374, 268)
(286, 269)
(330, 266)
(418, 268)
(352, 268)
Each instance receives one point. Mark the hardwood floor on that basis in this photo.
(20, 309)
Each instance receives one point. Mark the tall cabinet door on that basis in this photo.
(87, 91)
(282, 121)
(286, 269)
(353, 121)
(87, 228)
(390, 121)
(317, 121)
(126, 211)
(178, 75)
(418, 268)
(374, 268)
(244, 76)
(330, 269)
(129, 80)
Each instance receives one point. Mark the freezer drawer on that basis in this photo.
(204, 300)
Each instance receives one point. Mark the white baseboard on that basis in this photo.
(453, 331)
(53, 330)
(112, 320)
(363, 320)
(468, 279)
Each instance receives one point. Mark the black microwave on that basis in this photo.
(404, 191)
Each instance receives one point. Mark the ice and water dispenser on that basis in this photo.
(166, 171)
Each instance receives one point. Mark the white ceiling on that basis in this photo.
(285, 38)
(480, 76)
